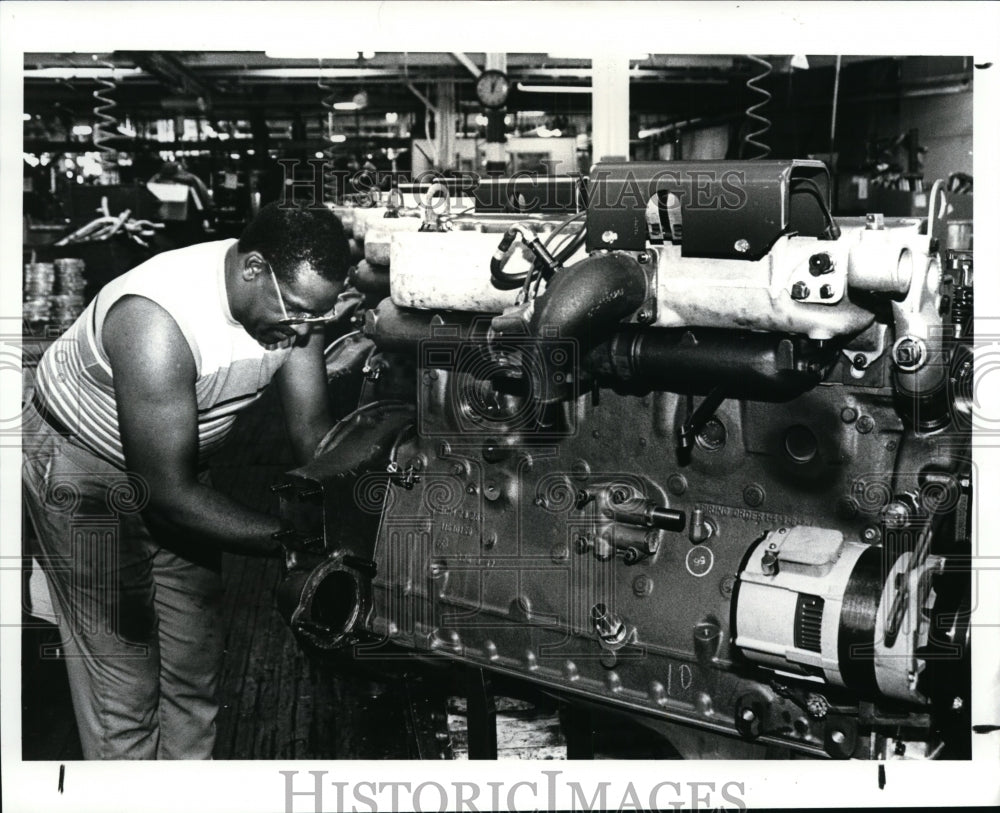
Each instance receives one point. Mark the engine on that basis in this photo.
(699, 452)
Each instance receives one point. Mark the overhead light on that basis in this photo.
(582, 55)
(346, 106)
(391, 118)
(320, 155)
(531, 113)
(316, 52)
(27, 116)
(799, 61)
(31, 159)
(82, 129)
(340, 138)
(481, 120)
(553, 88)
(81, 73)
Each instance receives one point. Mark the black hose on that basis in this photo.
(832, 230)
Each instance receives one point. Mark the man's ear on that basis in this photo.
(253, 265)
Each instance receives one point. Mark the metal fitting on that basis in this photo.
(909, 353)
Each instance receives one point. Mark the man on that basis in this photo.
(198, 214)
(130, 401)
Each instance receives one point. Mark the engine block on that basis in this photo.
(679, 484)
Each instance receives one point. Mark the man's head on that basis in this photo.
(293, 263)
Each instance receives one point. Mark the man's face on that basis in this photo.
(286, 310)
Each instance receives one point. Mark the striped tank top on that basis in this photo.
(74, 380)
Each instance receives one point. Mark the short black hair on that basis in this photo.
(288, 236)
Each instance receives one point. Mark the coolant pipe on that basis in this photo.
(582, 307)
(760, 366)
(399, 330)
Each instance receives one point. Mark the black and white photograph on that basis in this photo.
(499, 406)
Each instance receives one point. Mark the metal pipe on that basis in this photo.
(754, 365)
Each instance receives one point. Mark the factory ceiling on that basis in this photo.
(234, 83)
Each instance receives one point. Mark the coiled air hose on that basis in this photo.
(751, 138)
(105, 124)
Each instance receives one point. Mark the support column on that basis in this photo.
(610, 107)
(447, 119)
(496, 139)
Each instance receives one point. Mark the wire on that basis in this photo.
(555, 232)
(833, 230)
(750, 139)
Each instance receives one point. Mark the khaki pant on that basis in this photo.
(141, 623)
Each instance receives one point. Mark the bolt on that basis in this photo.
(712, 437)
(800, 290)
(820, 264)
(560, 553)
(753, 495)
(443, 449)
(848, 414)
(595, 434)
(582, 544)
(471, 489)
(644, 316)
(457, 469)
(619, 495)
(838, 737)
(782, 530)
(726, 586)
(865, 424)
(860, 361)
(742, 246)
(677, 484)
(748, 716)
(642, 585)
(769, 563)
(890, 445)
(541, 502)
(870, 534)
(826, 292)
(875, 221)
(491, 541)
(643, 257)
(908, 353)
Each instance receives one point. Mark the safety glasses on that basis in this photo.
(292, 321)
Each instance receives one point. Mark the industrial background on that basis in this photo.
(99, 130)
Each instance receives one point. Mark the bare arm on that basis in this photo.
(154, 375)
(302, 386)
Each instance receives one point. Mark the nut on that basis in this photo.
(800, 290)
(820, 264)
